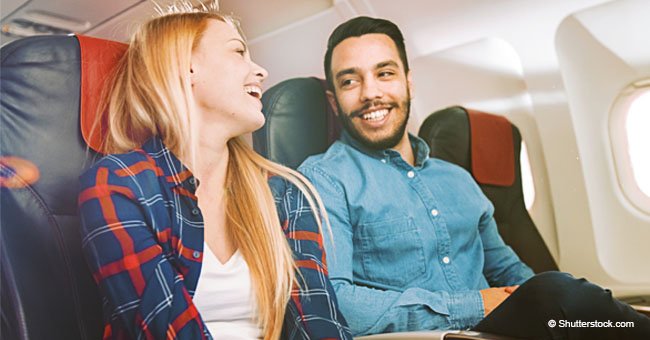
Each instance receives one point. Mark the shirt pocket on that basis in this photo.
(392, 251)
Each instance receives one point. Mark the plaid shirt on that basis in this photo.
(143, 240)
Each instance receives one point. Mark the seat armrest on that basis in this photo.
(640, 303)
(471, 335)
(430, 335)
(435, 335)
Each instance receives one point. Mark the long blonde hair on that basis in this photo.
(150, 95)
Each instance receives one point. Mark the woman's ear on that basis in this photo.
(192, 75)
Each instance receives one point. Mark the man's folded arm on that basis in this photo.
(502, 265)
(371, 311)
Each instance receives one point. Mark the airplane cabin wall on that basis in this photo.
(602, 50)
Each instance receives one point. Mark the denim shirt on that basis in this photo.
(412, 245)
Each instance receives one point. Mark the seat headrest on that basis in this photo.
(299, 122)
(480, 142)
(493, 158)
(98, 60)
(40, 112)
(447, 133)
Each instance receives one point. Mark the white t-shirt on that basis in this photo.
(225, 299)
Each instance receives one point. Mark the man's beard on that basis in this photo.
(385, 143)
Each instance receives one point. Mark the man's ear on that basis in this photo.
(409, 81)
(331, 98)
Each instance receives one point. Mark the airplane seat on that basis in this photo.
(299, 122)
(47, 288)
(488, 146)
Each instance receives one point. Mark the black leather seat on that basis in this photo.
(47, 290)
(451, 137)
(299, 122)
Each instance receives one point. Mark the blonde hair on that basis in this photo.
(150, 95)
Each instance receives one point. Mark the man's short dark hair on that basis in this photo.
(360, 26)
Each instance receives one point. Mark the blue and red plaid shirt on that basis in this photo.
(143, 240)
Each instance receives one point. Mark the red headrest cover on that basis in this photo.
(98, 60)
(493, 158)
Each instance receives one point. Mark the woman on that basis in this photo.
(175, 259)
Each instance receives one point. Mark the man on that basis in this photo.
(414, 244)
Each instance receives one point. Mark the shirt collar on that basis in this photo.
(175, 172)
(420, 148)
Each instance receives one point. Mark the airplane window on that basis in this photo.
(526, 177)
(637, 126)
(630, 123)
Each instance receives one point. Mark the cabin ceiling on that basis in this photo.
(302, 26)
(71, 15)
(428, 25)
(268, 16)
(259, 17)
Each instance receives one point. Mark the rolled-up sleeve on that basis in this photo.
(317, 315)
(502, 265)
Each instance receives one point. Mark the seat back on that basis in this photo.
(299, 122)
(488, 146)
(47, 289)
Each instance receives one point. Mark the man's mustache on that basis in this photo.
(367, 106)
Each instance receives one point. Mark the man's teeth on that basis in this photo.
(254, 91)
(375, 115)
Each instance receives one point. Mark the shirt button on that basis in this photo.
(434, 212)
(383, 161)
(446, 260)
(192, 181)
(196, 254)
(195, 211)
(410, 174)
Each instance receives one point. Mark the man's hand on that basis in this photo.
(511, 289)
(493, 297)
